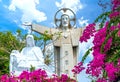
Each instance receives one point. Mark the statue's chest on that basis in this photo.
(64, 38)
(65, 35)
(29, 53)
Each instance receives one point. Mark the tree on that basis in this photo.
(8, 42)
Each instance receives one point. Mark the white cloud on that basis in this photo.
(83, 22)
(29, 10)
(84, 46)
(75, 5)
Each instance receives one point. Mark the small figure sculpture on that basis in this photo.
(30, 55)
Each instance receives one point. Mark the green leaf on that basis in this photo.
(86, 54)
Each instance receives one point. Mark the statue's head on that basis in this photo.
(65, 21)
(30, 41)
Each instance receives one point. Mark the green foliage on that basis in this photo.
(4, 63)
(86, 54)
(102, 18)
(48, 59)
(46, 36)
(114, 52)
(8, 42)
(32, 68)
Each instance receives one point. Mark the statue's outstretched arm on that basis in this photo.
(40, 29)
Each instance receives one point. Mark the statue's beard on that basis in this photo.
(65, 24)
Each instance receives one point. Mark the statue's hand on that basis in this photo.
(27, 24)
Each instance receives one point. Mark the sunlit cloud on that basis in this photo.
(84, 46)
(29, 11)
(83, 22)
(75, 5)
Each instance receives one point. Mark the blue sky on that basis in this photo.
(13, 13)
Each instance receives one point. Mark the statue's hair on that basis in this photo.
(69, 26)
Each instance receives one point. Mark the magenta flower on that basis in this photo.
(24, 76)
(88, 32)
(64, 77)
(114, 14)
(95, 66)
(101, 80)
(111, 70)
(116, 4)
(78, 68)
(4, 78)
(108, 45)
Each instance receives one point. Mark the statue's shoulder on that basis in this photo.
(54, 30)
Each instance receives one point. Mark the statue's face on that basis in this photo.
(30, 41)
(65, 20)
